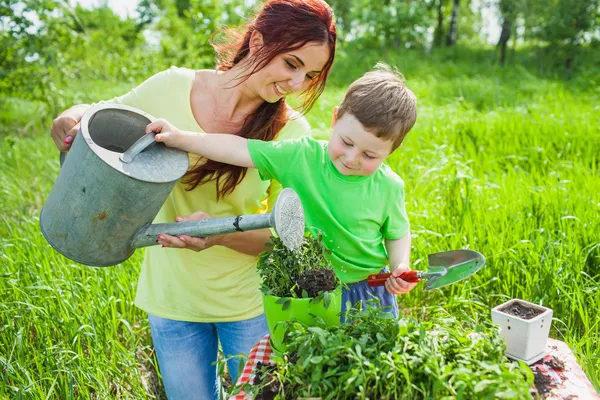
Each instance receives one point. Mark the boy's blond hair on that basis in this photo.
(381, 102)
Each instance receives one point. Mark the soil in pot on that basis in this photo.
(521, 310)
(315, 282)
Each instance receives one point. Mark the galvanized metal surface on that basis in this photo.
(287, 218)
(111, 129)
(97, 202)
(148, 234)
(100, 208)
(93, 210)
(136, 148)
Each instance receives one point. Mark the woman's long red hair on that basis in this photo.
(285, 25)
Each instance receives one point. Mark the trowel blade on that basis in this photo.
(459, 264)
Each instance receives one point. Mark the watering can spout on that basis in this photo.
(287, 218)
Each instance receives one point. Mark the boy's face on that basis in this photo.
(352, 149)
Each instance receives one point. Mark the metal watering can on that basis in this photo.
(114, 181)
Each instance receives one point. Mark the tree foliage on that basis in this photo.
(564, 25)
(47, 43)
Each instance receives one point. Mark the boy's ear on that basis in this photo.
(256, 42)
(334, 117)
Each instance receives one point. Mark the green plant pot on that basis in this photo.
(302, 310)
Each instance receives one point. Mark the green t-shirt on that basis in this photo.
(355, 213)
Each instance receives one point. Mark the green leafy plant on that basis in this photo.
(383, 358)
(302, 273)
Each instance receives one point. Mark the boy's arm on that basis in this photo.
(398, 251)
(399, 257)
(228, 149)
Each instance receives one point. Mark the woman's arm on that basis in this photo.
(250, 242)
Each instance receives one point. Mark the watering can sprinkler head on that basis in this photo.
(288, 219)
(113, 183)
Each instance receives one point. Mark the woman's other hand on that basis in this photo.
(188, 242)
(65, 126)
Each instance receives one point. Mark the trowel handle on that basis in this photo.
(137, 147)
(379, 279)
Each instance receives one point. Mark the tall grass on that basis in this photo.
(502, 160)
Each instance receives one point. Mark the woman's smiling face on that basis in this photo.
(289, 72)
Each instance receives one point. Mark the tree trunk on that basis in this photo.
(569, 67)
(439, 29)
(504, 36)
(453, 30)
(515, 37)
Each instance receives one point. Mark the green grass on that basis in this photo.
(505, 161)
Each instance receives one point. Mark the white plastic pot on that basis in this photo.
(525, 339)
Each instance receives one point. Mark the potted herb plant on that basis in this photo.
(378, 357)
(298, 285)
(525, 327)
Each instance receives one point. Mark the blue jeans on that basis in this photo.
(187, 351)
(361, 291)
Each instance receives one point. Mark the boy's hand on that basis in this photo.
(166, 133)
(396, 285)
(188, 242)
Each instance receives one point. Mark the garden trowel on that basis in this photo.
(444, 268)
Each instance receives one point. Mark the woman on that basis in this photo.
(194, 299)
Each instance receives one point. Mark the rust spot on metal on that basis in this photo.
(100, 217)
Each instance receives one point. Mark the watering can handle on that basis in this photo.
(136, 148)
(128, 156)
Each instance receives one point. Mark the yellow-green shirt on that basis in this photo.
(217, 284)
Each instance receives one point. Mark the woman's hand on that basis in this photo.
(395, 284)
(65, 126)
(188, 242)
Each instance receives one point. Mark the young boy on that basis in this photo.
(346, 190)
